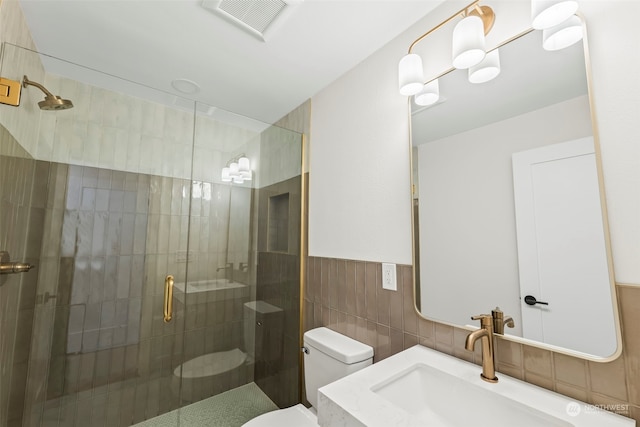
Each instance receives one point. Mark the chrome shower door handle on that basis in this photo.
(168, 299)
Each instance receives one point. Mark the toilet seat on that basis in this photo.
(297, 415)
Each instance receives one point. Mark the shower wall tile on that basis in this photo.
(298, 120)
(21, 225)
(113, 131)
(98, 233)
(280, 156)
(230, 141)
(117, 131)
(278, 283)
(21, 122)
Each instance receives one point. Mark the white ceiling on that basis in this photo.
(154, 42)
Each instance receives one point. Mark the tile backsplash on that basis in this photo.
(347, 296)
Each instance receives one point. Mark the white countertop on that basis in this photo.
(351, 402)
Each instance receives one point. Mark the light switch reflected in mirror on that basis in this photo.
(509, 201)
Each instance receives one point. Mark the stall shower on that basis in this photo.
(108, 199)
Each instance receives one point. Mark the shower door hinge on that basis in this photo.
(10, 92)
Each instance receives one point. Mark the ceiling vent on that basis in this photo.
(257, 17)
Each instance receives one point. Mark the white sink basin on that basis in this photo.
(204, 288)
(423, 387)
(415, 386)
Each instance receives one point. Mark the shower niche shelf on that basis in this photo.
(278, 235)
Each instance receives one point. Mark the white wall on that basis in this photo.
(359, 179)
(359, 196)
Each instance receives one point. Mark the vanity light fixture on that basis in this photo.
(549, 13)
(468, 47)
(486, 70)
(562, 35)
(238, 170)
(429, 95)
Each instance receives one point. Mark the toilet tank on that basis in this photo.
(330, 356)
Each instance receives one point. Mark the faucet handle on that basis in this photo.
(485, 319)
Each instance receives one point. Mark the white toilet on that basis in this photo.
(328, 357)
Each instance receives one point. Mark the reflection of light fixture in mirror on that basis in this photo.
(411, 77)
(563, 35)
(234, 172)
(468, 42)
(238, 170)
(468, 46)
(429, 94)
(244, 168)
(486, 70)
(226, 174)
(549, 13)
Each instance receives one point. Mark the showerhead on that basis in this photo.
(51, 101)
(55, 103)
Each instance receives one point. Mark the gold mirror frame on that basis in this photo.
(601, 187)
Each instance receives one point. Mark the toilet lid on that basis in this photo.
(297, 415)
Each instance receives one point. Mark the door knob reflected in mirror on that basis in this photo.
(531, 300)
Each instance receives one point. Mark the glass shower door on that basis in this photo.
(107, 200)
(97, 197)
(17, 173)
(242, 294)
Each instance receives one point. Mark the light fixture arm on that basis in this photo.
(235, 158)
(462, 12)
(468, 46)
(484, 12)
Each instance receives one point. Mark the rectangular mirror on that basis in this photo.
(508, 195)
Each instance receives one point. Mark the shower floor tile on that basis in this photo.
(229, 409)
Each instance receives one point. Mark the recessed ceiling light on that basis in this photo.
(185, 86)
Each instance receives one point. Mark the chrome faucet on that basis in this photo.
(485, 334)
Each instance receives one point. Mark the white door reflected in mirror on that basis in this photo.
(562, 255)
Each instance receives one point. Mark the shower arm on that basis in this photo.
(26, 81)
